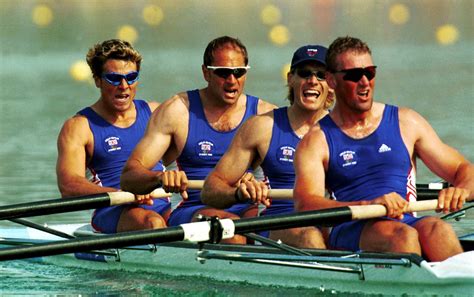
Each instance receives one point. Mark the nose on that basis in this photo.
(123, 84)
(231, 78)
(364, 80)
(313, 79)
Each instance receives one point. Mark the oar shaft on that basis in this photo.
(46, 207)
(201, 231)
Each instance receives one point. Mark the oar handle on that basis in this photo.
(195, 184)
(360, 212)
(423, 194)
(160, 193)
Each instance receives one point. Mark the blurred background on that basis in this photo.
(423, 49)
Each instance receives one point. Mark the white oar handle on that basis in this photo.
(117, 198)
(160, 193)
(273, 193)
(281, 194)
(360, 212)
(195, 184)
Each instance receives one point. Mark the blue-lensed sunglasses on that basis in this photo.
(115, 79)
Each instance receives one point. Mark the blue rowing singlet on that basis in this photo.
(204, 145)
(278, 162)
(364, 169)
(113, 145)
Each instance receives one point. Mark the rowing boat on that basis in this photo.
(181, 251)
(378, 273)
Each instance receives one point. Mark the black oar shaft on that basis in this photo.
(327, 217)
(53, 206)
(317, 217)
(92, 243)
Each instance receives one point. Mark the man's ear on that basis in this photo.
(331, 80)
(97, 81)
(206, 73)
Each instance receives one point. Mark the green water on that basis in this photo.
(38, 94)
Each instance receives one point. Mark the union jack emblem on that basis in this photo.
(311, 52)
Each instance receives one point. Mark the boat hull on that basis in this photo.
(323, 270)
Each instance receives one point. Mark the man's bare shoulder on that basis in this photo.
(153, 105)
(75, 129)
(176, 105)
(259, 123)
(264, 106)
(76, 123)
(315, 135)
(410, 118)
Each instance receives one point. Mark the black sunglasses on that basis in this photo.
(355, 74)
(115, 79)
(306, 73)
(225, 72)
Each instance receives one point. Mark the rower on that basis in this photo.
(269, 141)
(364, 152)
(99, 139)
(195, 128)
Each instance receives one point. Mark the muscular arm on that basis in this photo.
(137, 176)
(244, 151)
(73, 140)
(311, 154)
(440, 158)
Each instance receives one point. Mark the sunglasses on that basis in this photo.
(225, 72)
(355, 74)
(306, 73)
(115, 79)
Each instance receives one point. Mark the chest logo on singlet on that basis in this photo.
(347, 159)
(384, 148)
(285, 154)
(112, 144)
(205, 148)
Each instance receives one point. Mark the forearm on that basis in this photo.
(465, 178)
(218, 193)
(139, 180)
(80, 186)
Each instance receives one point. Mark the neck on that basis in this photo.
(120, 118)
(301, 120)
(221, 115)
(357, 124)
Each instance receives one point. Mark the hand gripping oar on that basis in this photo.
(61, 205)
(207, 230)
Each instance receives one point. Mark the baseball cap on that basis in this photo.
(307, 53)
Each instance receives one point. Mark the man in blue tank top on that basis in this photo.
(364, 152)
(101, 137)
(269, 141)
(194, 129)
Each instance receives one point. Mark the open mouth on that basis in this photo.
(122, 96)
(311, 94)
(230, 92)
(363, 94)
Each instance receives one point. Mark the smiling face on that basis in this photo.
(226, 90)
(358, 96)
(309, 93)
(117, 98)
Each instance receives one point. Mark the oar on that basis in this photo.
(61, 205)
(425, 192)
(207, 230)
